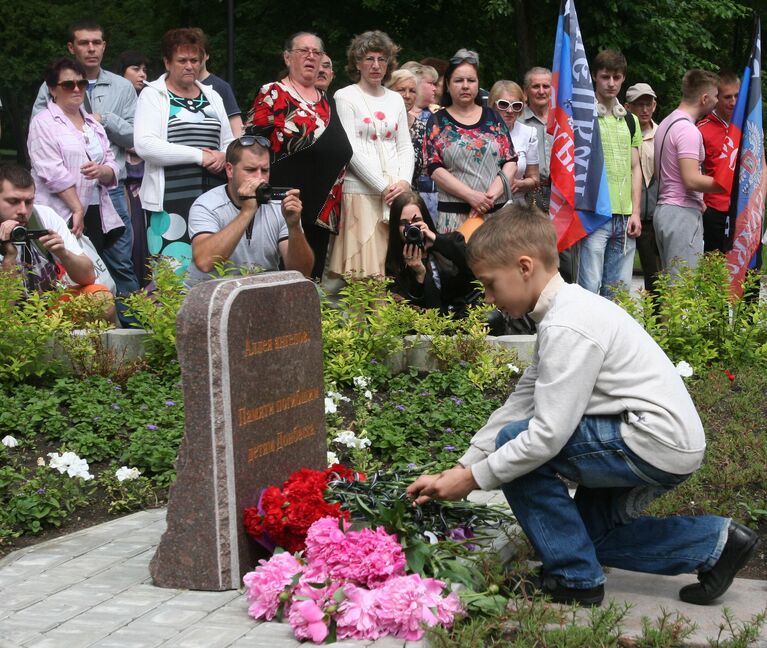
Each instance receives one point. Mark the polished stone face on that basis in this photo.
(251, 361)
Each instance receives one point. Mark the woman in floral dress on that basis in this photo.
(310, 149)
(467, 149)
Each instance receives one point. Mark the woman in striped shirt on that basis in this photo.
(181, 130)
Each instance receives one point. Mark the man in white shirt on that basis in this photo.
(229, 227)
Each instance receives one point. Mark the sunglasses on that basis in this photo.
(69, 85)
(250, 140)
(472, 58)
(514, 106)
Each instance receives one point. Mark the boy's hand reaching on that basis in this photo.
(453, 484)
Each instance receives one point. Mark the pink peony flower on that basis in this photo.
(408, 603)
(358, 614)
(448, 608)
(308, 621)
(267, 582)
(373, 557)
(364, 557)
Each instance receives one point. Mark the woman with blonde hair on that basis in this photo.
(405, 83)
(508, 99)
(381, 168)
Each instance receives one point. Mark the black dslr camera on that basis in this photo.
(21, 234)
(413, 235)
(266, 192)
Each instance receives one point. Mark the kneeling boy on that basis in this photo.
(602, 405)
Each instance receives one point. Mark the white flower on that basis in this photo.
(347, 438)
(40, 461)
(332, 458)
(513, 368)
(337, 396)
(71, 464)
(684, 369)
(330, 406)
(9, 441)
(368, 394)
(350, 440)
(124, 473)
(361, 382)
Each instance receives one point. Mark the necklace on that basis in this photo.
(192, 105)
(298, 92)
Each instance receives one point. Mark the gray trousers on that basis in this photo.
(679, 234)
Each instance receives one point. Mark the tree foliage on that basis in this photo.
(661, 38)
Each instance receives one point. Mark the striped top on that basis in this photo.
(191, 122)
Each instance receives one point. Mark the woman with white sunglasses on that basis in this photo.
(507, 98)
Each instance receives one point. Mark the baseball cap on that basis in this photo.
(639, 90)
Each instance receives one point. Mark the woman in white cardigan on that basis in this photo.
(381, 168)
(181, 130)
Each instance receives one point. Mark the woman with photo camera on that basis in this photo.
(429, 269)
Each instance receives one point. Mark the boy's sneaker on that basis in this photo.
(534, 583)
(741, 543)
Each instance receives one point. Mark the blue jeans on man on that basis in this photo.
(607, 257)
(602, 524)
(118, 257)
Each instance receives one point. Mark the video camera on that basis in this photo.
(266, 193)
(21, 234)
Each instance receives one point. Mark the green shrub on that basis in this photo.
(696, 319)
(157, 312)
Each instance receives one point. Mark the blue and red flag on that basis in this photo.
(580, 198)
(745, 174)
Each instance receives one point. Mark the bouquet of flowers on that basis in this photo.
(348, 585)
(283, 515)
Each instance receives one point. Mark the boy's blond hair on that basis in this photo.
(514, 231)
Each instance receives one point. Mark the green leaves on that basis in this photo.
(695, 318)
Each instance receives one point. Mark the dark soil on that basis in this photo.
(96, 512)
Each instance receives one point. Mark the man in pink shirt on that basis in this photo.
(713, 127)
(679, 154)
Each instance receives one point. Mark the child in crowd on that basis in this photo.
(602, 405)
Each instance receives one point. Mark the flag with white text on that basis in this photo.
(580, 199)
(745, 173)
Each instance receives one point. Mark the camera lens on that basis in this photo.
(19, 234)
(413, 235)
(263, 194)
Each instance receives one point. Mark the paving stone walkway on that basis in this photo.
(92, 588)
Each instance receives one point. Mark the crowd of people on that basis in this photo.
(132, 164)
(390, 176)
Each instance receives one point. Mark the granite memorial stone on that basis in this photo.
(250, 351)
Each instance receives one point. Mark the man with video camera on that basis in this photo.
(246, 223)
(35, 241)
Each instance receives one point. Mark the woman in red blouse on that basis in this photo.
(310, 149)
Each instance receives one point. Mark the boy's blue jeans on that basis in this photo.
(602, 525)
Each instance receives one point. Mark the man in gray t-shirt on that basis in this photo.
(228, 226)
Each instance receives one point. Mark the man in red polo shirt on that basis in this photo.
(713, 127)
